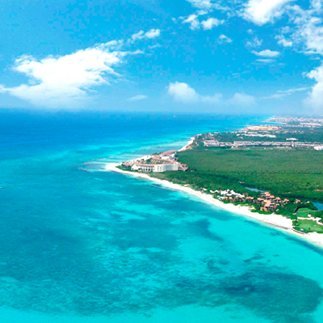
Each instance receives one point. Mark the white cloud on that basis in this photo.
(283, 41)
(261, 12)
(193, 21)
(204, 8)
(223, 39)
(312, 34)
(265, 60)
(209, 5)
(315, 98)
(317, 5)
(138, 97)
(211, 99)
(242, 99)
(283, 93)
(201, 4)
(153, 33)
(55, 81)
(210, 23)
(67, 81)
(266, 53)
(207, 24)
(306, 34)
(254, 42)
(184, 93)
(150, 34)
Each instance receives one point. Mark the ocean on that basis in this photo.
(81, 245)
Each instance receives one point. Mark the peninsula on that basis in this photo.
(272, 173)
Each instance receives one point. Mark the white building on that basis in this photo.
(166, 167)
(155, 168)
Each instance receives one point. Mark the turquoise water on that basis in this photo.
(89, 246)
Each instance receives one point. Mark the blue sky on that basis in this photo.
(254, 56)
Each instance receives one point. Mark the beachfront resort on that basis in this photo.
(252, 167)
(156, 163)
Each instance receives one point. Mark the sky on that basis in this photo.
(183, 56)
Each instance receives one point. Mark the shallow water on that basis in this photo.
(318, 205)
(88, 246)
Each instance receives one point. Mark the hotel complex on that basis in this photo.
(156, 163)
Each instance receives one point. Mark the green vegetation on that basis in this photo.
(306, 212)
(308, 226)
(300, 133)
(285, 173)
(303, 134)
(293, 174)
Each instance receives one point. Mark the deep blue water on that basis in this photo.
(89, 246)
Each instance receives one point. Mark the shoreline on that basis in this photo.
(276, 221)
(188, 145)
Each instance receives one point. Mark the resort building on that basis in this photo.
(155, 168)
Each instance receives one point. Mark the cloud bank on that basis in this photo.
(69, 80)
(261, 12)
(195, 23)
(184, 93)
(315, 98)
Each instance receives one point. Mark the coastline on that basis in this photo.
(188, 145)
(276, 221)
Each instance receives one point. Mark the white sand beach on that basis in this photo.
(273, 220)
(187, 146)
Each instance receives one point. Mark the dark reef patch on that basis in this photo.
(281, 297)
